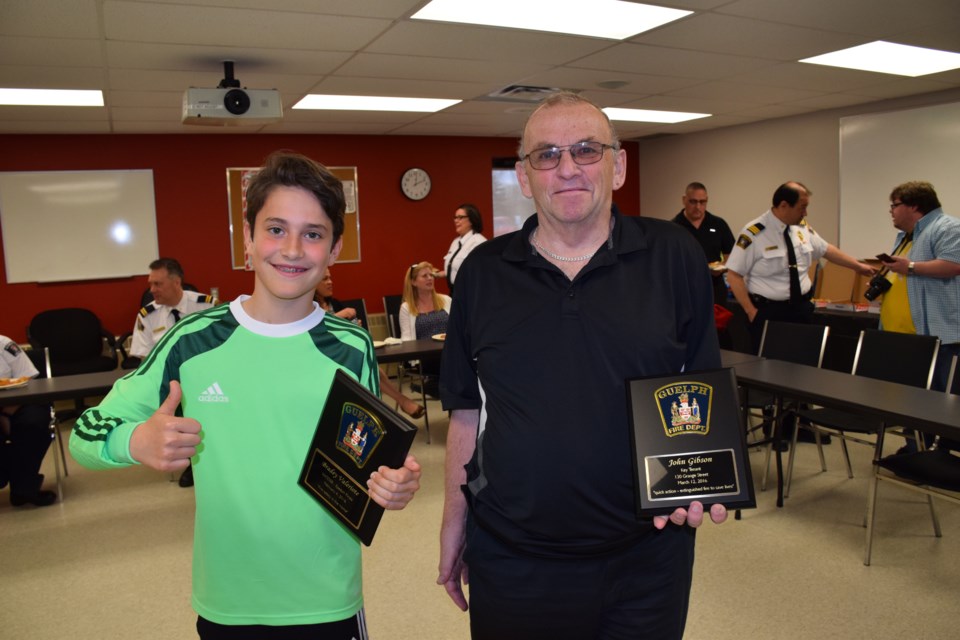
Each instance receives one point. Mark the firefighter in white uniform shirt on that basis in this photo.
(170, 303)
(760, 267)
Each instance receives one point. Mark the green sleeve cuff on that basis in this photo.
(118, 443)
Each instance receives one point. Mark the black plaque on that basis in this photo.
(356, 434)
(688, 442)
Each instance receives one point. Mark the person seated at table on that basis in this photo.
(324, 297)
(24, 435)
(424, 312)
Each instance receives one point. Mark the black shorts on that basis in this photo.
(353, 628)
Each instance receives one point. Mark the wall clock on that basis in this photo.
(415, 184)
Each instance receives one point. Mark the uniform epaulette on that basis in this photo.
(145, 311)
(756, 228)
(203, 297)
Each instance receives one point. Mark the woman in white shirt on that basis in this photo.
(424, 312)
(469, 225)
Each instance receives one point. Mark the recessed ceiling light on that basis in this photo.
(889, 57)
(600, 18)
(372, 103)
(52, 97)
(646, 115)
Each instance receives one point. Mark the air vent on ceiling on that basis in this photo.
(523, 93)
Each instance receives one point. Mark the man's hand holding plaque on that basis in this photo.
(689, 447)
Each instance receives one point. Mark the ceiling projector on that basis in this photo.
(228, 104)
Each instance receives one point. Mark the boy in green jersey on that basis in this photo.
(238, 389)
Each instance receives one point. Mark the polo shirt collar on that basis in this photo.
(622, 239)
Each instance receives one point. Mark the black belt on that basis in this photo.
(759, 300)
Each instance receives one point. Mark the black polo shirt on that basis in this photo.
(714, 235)
(546, 360)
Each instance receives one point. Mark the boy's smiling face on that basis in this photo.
(290, 248)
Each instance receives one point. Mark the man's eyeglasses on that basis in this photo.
(697, 203)
(460, 217)
(894, 205)
(581, 152)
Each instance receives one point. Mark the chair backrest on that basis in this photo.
(76, 341)
(391, 305)
(953, 384)
(793, 342)
(905, 358)
(358, 305)
(73, 335)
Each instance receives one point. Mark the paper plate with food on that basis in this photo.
(13, 383)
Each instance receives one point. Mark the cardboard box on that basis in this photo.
(835, 283)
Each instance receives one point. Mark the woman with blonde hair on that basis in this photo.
(424, 312)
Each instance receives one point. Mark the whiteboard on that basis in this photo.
(882, 150)
(77, 225)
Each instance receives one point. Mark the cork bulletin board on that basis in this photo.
(239, 177)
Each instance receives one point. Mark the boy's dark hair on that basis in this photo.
(288, 169)
(473, 215)
(917, 194)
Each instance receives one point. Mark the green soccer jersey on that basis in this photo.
(264, 551)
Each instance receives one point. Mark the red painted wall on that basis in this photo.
(189, 174)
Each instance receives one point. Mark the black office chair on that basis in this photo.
(358, 305)
(76, 339)
(790, 342)
(885, 355)
(935, 473)
(391, 306)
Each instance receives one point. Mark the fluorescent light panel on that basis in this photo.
(372, 103)
(889, 57)
(52, 97)
(647, 115)
(598, 18)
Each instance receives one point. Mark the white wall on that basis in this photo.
(742, 166)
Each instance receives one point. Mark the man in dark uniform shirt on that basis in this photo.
(712, 232)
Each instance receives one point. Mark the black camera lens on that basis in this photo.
(237, 102)
(877, 286)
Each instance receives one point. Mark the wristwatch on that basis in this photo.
(911, 268)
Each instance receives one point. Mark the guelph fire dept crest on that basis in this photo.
(360, 433)
(685, 408)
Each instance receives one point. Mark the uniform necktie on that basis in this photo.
(450, 264)
(176, 315)
(795, 294)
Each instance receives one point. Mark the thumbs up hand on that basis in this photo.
(165, 441)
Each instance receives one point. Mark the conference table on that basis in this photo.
(933, 412)
(412, 350)
(425, 348)
(49, 390)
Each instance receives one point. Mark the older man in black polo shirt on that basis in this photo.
(711, 231)
(548, 324)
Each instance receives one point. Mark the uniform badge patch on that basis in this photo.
(359, 434)
(744, 241)
(685, 408)
(13, 348)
